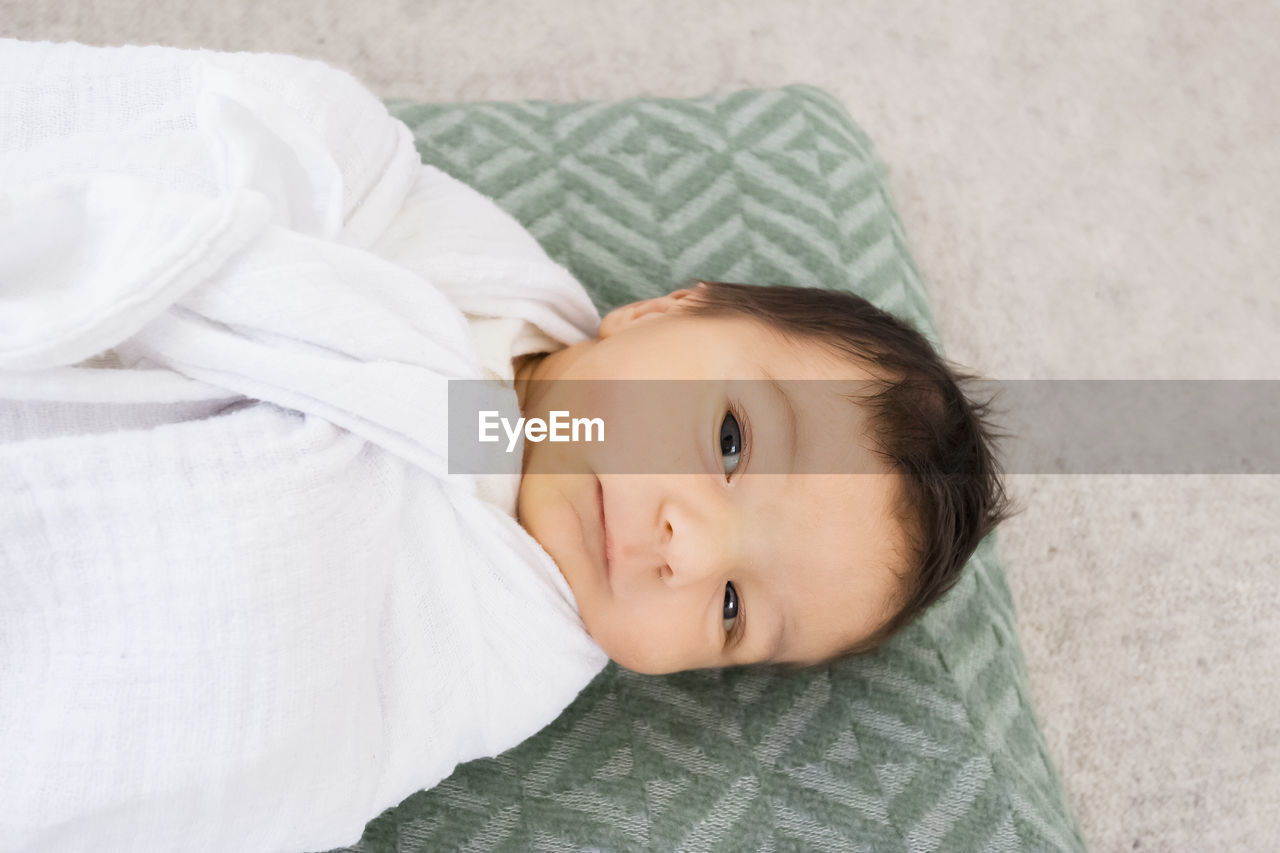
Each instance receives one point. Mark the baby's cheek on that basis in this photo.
(653, 428)
(647, 643)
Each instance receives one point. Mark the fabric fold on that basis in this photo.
(88, 260)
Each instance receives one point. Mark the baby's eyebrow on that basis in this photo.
(780, 637)
(776, 645)
(792, 420)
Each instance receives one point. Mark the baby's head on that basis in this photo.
(730, 566)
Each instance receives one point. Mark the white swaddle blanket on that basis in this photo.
(243, 605)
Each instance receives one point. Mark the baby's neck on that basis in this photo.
(527, 368)
(542, 368)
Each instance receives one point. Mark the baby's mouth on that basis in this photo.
(605, 543)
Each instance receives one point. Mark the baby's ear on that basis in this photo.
(627, 315)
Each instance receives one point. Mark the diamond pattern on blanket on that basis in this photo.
(930, 743)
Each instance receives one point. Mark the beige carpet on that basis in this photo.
(1092, 190)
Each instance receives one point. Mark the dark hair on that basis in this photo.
(924, 427)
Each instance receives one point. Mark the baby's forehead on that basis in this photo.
(760, 347)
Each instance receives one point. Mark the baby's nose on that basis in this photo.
(696, 546)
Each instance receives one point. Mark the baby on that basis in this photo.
(678, 571)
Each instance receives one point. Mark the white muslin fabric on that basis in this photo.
(243, 604)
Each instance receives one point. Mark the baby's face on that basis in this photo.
(723, 567)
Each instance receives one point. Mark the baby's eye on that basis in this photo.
(730, 607)
(730, 442)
